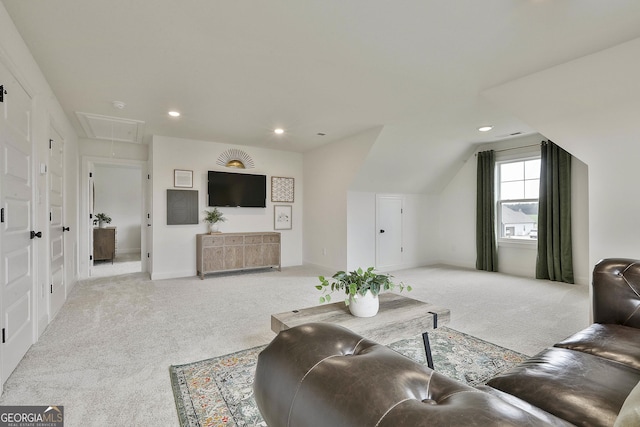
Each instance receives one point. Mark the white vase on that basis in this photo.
(366, 305)
(213, 227)
(102, 224)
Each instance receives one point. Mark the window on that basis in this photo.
(519, 183)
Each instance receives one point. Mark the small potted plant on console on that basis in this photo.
(213, 218)
(361, 288)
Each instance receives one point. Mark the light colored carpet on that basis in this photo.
(122, 264)
(105, 356)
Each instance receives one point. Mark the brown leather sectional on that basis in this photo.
(323, 375)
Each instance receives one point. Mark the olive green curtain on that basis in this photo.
(486, 251)
(555, 254)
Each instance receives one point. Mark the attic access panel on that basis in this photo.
(111, 128)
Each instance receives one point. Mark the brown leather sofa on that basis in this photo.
(324, 375)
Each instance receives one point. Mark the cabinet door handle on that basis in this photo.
(65, 229)
(34, 234)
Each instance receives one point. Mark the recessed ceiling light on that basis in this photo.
(278, 131)
(174, 113)
(485, 128)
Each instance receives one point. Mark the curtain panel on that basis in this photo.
(486, 250)
(555, 251)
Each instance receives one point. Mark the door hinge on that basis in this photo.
(52, 288)
(50, 217)
(90, 216)
(50, 143)
(148, 176)
(2, 94)
(2, 215)
(148, 256)
(401, 249)
(3, 330)
(90, 257)
(90, 174)
(401, 210)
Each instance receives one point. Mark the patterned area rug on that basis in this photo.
(218, 391)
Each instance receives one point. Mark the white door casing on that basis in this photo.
(389, 211)
(17, 248)
(57, 283)
(147, 259)
(92, 200)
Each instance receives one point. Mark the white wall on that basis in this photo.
(457, 219)
(592, 105)
(328, 172)
(361, 229)
(174, 246)
(118, 193)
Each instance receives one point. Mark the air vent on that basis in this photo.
(111, 128)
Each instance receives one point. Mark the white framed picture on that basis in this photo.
(282, 217)
(182, 178)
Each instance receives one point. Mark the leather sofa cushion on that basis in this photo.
(575, 386)
(542, 417)
(615, 342)
(466, 407)
(629, 415)
(319, 375)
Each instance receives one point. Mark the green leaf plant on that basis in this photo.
(357, 282)
(103, 217)
(214, 216)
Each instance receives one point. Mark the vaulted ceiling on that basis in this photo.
(238, 69)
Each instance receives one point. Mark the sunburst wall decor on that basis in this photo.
(234, 158)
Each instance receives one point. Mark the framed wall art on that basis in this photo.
(182, 207)
(282, 189)
(282, 217)
(182, 178)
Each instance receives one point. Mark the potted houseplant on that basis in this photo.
(361, 288)
(213, 218)
(103, 219)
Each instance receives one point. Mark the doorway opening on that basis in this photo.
(115, 189)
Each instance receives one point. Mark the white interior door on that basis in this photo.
(17, 249)
(57, 287)
(389, 231)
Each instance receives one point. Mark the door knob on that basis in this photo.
(381, 231)
(65, 229)
(34, 234)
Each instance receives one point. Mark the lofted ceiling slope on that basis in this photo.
(238, 69)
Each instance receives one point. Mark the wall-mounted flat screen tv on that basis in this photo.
(237, 189)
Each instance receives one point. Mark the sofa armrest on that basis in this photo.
(616, 292)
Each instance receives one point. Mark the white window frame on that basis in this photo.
(505, 241)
